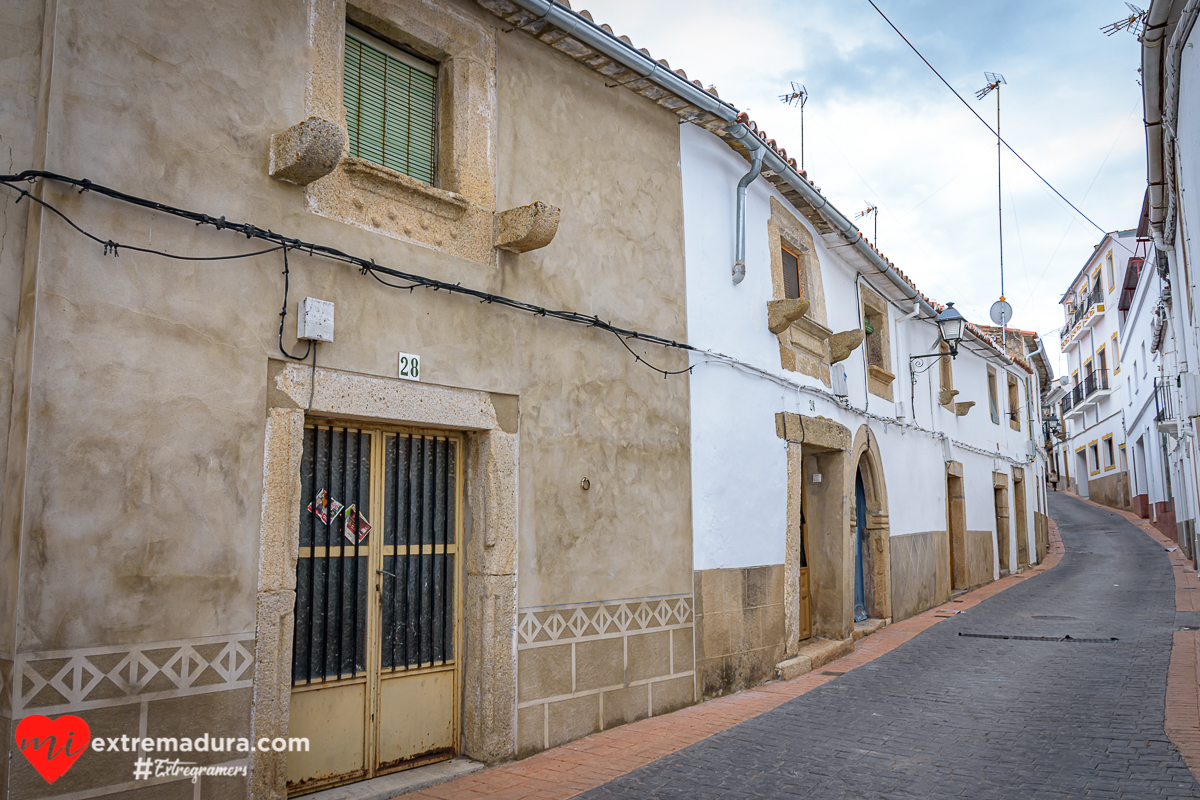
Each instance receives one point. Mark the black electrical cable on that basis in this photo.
(981, 119)
(365, 266)
(283, 315)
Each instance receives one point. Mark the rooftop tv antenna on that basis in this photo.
(798, 96)
(871, 210)
(1135, 23)
(995, 80)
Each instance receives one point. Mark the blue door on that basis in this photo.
(860, 533)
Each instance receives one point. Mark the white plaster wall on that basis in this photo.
(739, 475)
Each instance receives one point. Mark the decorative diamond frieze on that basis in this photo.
(74, 680)
(594, 620)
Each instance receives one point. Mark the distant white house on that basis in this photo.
(1093, 459)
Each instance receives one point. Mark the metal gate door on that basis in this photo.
(374, 672)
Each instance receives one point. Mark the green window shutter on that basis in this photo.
(391, 103)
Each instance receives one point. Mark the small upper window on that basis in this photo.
(993, 400)
(791, 273)
(391, 101)
(1108, 260)
(1014, 404)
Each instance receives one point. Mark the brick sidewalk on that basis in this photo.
(1182, 723)
(576, 767)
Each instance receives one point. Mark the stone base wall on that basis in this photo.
(1111, 490)
(739, 627)
(1042, 534)
(980, 555)
(586, 667)
(163, 689)
(920, 572)
(1140, 505)
(1162, 517)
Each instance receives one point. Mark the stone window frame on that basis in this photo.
(1107, 444)
(804, 345)
(489, 612)
(879, 375)
(456, 214)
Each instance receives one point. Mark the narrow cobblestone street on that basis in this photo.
(952, 715)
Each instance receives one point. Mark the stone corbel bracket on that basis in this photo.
(526, 228)
(841, 345)
(961, 409)
(946, 396)
(782, 313)
(307, 151)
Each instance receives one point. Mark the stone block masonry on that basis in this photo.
(587, 667)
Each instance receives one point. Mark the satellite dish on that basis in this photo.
(1001, 313)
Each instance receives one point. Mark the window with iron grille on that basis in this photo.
(391, 106)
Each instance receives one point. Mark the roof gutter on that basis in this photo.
(1152, 101)
(592, 35)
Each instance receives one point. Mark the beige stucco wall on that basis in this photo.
(143, 478)
(1110, 490)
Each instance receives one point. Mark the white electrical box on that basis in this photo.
(900, 410)
(315, 320)
(838, 376)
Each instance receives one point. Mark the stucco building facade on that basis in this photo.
(159, 544)
(1171, 100)
(1095, 454)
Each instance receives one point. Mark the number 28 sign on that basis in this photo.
(410, 367)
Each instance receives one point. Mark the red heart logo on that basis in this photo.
(53, 745)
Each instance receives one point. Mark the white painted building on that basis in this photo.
(1147, 392)
(941, 454)
(1094, 457)
(1171, 98)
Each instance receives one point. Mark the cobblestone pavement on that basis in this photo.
(960, 716)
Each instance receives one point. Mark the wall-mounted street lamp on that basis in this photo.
(951, 328)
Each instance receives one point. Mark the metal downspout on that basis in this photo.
(756, 153)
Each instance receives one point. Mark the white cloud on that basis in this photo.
(880, 127)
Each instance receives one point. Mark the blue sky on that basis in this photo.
(881, 128)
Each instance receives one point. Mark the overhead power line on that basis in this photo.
(981, 119)
(285, 243)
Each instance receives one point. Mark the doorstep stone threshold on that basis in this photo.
(820, 652)
(387, 787)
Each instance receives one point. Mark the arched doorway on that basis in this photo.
(860, 533)
(871, 549)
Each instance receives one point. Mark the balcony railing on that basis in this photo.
(1164, 408)
(1079, 311)
(1094, 381)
